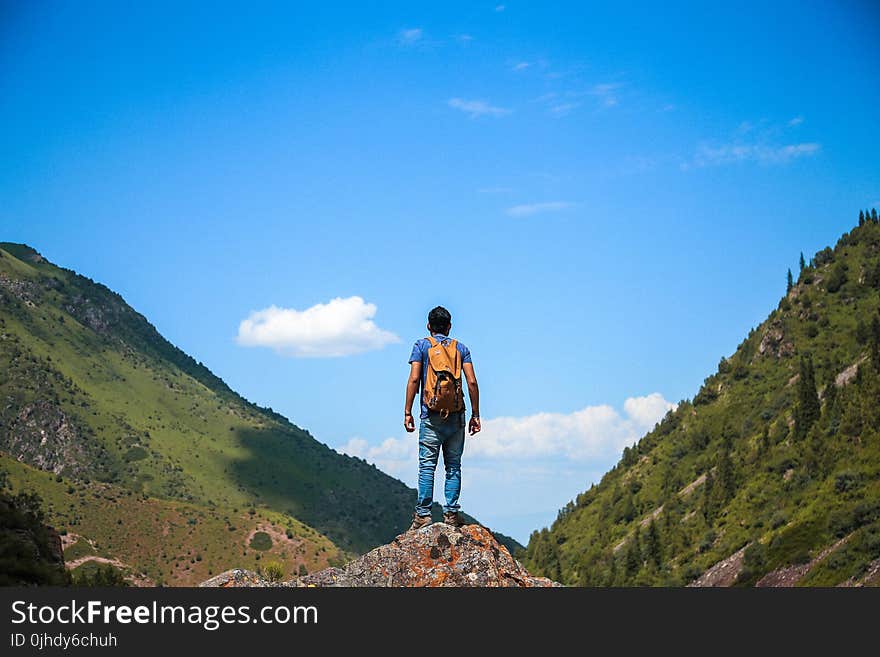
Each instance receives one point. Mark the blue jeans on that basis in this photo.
(435, 434)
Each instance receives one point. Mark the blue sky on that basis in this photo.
(606, 199)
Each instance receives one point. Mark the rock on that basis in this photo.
(723, 573)
(237, 577)
(774, 343)
(436, 555)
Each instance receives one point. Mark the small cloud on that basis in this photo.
(529, 209)
(744, 128)
(796, 121)
(759, 152)
(500, 8)
(607, 93)
(520, 66)
(410, 36)
(342, 327)
(477, 108)
(563, 109)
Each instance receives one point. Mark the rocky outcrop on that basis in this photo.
(774, 342)
(436, 555)
(44, 436)
(723, 573)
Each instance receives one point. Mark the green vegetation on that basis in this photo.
(261, 541)
(777, 453)
(273, 571)
(95, 574)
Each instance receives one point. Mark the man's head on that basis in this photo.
(439, 321)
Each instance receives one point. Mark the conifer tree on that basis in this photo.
(655, 548)
(808, 409)
(874, 343)
(764, 445)
(874, 215)
(634, 554)
(802, 262)
(815, 452)
(861, 218)
(726, 475)
(708, 490)
(789, 283)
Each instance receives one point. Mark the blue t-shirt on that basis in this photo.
(420, 354)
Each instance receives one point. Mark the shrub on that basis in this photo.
(844, 482)
(261, 541)
(273, 571)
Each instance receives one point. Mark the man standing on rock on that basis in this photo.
(436, 365)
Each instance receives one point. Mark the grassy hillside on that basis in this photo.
(92, 393)
(773, 466)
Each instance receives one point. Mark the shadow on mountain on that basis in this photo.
(353, 503)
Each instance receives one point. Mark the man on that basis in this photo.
(434, 360)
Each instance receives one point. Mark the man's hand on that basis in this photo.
(474, 426)
(409, 423)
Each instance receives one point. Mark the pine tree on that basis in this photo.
(612, 571)
(634, 554)
(790, 282)
(874, 343)
(802, 262)
(764, 445)
(808, 409)
(815, 452)
(708, 490)
(874, 215)
(655, 549)
(726, 475)
(861, 218)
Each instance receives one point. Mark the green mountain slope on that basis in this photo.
(92, 393)
(771, 473)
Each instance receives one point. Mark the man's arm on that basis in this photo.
(474, 393)
(412, 389)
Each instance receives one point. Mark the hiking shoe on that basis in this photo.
(419, 522)
(453, 519)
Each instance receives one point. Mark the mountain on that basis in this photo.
(146, 459)
(436, 555)
(770, 475)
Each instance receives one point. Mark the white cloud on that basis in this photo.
(594, 432)
(563, 109)
(500, 8)
(529, 209)
(341, 327)
(410, 36)
(476, 108)
(796, 121)
(648, 410)
(520, 66)
(607, 93)
(762, 153)
(395, 456)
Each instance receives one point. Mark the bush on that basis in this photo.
(846, 481)
(261, 541)
(273, 571)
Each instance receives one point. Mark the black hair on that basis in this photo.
(439, 320)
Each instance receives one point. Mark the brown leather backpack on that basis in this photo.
(442, 393)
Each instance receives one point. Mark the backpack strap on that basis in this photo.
(432, 341)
